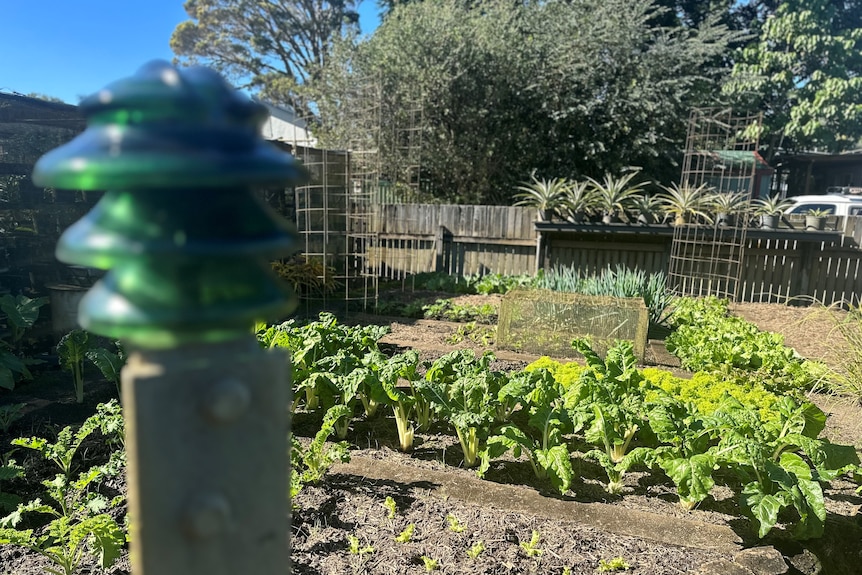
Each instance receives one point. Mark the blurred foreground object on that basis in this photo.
(187, 247)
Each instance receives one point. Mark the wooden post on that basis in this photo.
(187, 247)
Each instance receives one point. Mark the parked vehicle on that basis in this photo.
(832, 204)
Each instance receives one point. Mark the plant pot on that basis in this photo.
(611, 219)
(65, 300)
(546, 215)
(769, 221)
(725, 220)
(646, 219)
(680, 220)
(576, 217)
(817, 223)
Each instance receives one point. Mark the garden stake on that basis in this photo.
(186, 244)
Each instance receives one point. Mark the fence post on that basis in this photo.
(187, 246)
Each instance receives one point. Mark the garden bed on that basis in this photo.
(578, 532)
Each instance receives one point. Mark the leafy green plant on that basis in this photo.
(310, 464)
(614, 194)
(307, 277)
(543, 439)
(406, 535)
(20, 314)
(463, 389)
(706, 338)
(476, 549)
(9, 470)
(610, 402)
(771, 206)
(768, 459)
(61, 452)
(388, 372)
(65, 542)
(429, 563)
(531, 547)
(9, 414)
(447, 310)
(615, 564)
(686, 455)
(110, 364)
(72, 349)
(547, 196)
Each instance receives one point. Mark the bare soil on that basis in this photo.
(350, 502)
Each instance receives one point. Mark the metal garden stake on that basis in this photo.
(187, 246)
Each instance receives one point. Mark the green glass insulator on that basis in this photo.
(184, 238)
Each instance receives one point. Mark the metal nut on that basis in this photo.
(227, 401)
(207, 516)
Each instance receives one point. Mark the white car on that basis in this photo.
(834, 204)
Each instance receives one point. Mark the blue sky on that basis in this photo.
(72, 48)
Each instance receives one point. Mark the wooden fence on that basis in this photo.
(464, 240)
(461, 240)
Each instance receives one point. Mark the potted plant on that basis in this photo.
(686, 202)
(545, 195)
(614, 195)
(770, 209)
(579, 202)
(648, 208)
(726, 205)
(815, 219)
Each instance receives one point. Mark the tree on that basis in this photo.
(277, 46)
(566, 88)
(805, 74)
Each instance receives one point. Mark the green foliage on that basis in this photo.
(620, 282)
(307, 277)
(543, 437)
(19, 313)
(110, 364)
(389, 504)
(272, 45)
(9, 470)
(72, 349)
(766, 456)
(803, 73)
(356, 548)
(707, 339)
(324, 355)
(630, 83)
(447, 310)
(476, 549)
(455, 526)
(9, 414)
(463, 389)
(80, 521)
